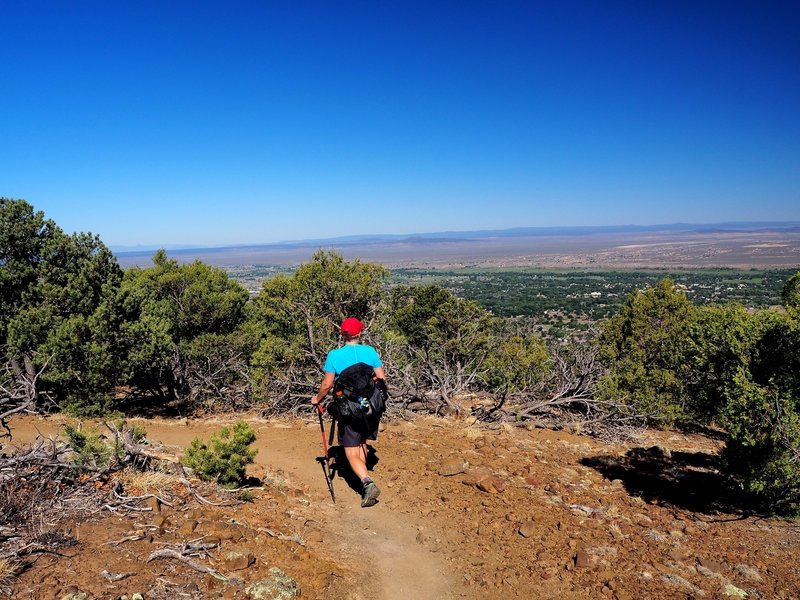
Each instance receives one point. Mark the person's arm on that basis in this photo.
(324, 388)
(376, 360)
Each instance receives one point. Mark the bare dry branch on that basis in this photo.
(282, 536)
(169, 553)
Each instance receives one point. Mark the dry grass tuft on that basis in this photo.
(7, 571)
(146, 482)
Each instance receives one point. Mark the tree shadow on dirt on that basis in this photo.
(151, 406)
(710, 432)
(687, 480)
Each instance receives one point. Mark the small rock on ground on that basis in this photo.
(749, 573)
(527, 529)
(275, 587)
(732, 591)
(237, 559)
(453, 466)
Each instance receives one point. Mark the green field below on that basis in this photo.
(572, 297)
(553, 294)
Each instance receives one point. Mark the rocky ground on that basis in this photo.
(466, 512)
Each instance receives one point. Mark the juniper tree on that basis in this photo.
(295, 320)
(52, 290)
(181, 329)
(643, 346)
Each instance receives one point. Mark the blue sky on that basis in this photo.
(244, 122)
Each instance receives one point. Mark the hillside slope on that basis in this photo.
(465, 513)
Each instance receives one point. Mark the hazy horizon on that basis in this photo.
(559, 230)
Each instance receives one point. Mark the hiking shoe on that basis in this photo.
(370, 496)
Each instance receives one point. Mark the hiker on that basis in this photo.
(355, 430)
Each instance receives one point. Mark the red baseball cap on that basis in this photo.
(351, 327)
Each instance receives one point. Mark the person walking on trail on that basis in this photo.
(356, 428)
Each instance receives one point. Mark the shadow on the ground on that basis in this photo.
(341, 468)
(151, 406)
(712, 433)
(253, 482)
(687, 480)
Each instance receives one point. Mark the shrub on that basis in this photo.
(89, 406)
(88, 446)
(293, 322)
(138, 433)
(447, 340)
(791, 294)
(224, 458)
(644, 348)
(763, 420)
(167, 308)
(724, 341)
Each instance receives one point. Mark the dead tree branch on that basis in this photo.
(169, 553)
(19, 388)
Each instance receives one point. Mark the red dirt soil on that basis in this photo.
(466, 512)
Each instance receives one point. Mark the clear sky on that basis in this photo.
(230, 122)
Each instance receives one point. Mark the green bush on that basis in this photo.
(447, 341)
(54, 288)
(89, 406)
(224, 458)
(762, 418)
(791, 294)
(293, 322)
(669, 360)
(723, 343)
(176, 325)
(88, 446)
(644, 348)
(91, 448)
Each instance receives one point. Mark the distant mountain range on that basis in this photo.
(463, 236)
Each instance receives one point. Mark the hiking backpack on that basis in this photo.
(359, 397)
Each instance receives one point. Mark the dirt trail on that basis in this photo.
(379, 544)
(379, 540)
(466, 512)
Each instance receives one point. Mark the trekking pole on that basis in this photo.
(325, 459)
(330, 436)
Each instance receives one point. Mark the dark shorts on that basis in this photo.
(350, 438)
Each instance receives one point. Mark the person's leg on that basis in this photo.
(357, 458)
(356, 453)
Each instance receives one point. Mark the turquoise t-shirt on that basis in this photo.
(341, 358)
